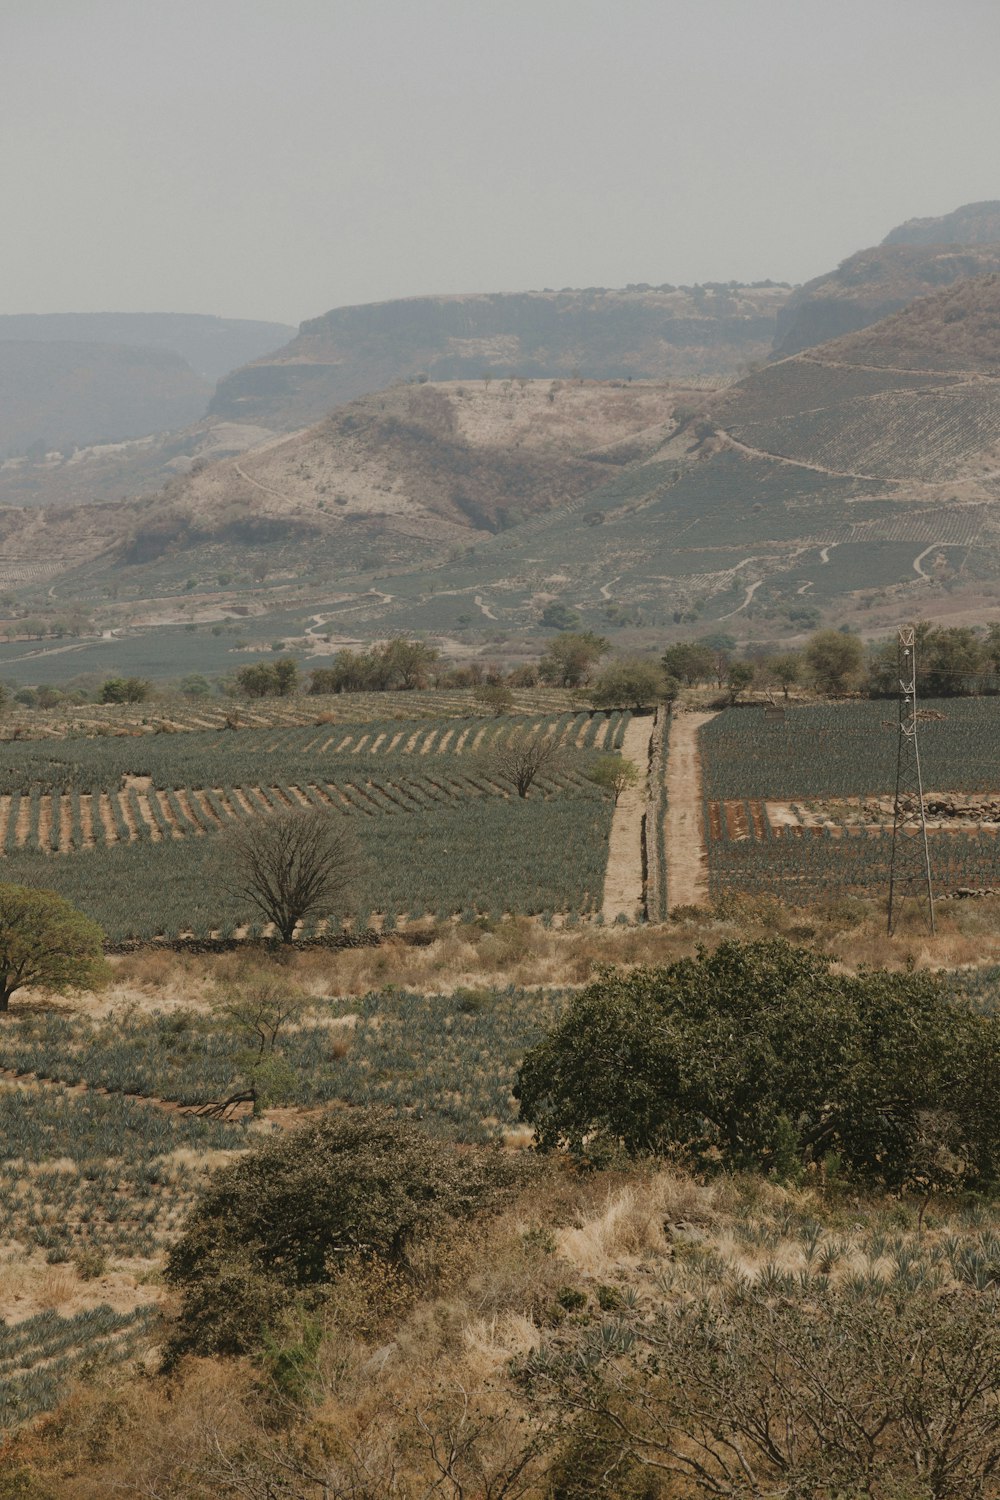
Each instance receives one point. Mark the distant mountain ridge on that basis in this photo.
(641, 332)
(55, 394)
(972, 224)
(211, 346)
(856, 482)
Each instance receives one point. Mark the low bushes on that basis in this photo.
(283, 1220)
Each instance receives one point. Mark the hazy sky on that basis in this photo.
(275, 158)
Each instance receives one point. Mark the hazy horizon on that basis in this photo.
(252, 160)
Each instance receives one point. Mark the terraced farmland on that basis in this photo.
(438, 831)
(900, 434)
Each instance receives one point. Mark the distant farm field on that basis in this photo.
(129, 828)
(800, 807)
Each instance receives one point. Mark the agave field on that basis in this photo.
(40, 1354)
(825, 752)
(452, 1058)
(82, 1173)
(891, 433)
(848, 750)
(91, 1159)
(88, 1171)
(174, 713)
(437, 831)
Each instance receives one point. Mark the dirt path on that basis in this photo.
(686, 859)
(265, 488)
(623, 877)
(751, 589)
(795, 463)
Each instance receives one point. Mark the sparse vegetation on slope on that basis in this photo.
(641, 332)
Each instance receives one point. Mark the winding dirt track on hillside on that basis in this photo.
(264, 488)
(795, 463)
(684, 837)
(623, 876)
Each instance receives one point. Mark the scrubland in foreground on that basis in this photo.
(611, 1332)
(621, 1333)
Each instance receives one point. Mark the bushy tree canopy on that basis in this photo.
(270, 679)
(125, 690)
(689, 662)
(400, 662)
(45, 942)
(571, 657)
(633, 682)
(758, 1050)
(835, 659)
(288, 1214)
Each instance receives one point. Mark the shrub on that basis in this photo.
(759, 1053)
(284, 1219)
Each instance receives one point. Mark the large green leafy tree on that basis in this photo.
(125, 690)
(758, 1050)
(571, 657)
(689, 661)
(835, 659)
(46, 943)
(633, 682)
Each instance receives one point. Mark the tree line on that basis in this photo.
(951, 660)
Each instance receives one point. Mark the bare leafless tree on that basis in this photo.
(291, 866)
(521, 757)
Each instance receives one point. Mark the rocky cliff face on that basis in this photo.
(914, 260)
(641, 332)
(972, 224)
(873, 284)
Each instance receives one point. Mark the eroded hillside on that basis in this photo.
(642, 332)
(415, 469)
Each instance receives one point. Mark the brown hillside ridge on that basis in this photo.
(957, 329)
(913, 400)
(436, 462)
(915, 259)
(641, 332)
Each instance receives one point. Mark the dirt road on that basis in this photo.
(623, 877)
(686, 858)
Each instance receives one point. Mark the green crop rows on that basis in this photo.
(830, 751)
(39, 1355)
(87, 1174)
(848, 750)
(93, 1172)
(451, 1057)
(262, 757)
(84, 1171)
(437, 831)
(809, 864)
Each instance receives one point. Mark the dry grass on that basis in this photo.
(29, 1286)
(525, 953)
(402, 1364)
